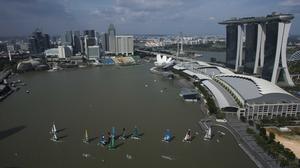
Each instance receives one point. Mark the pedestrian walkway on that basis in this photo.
(240, 129)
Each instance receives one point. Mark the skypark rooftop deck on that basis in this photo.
(268, 18)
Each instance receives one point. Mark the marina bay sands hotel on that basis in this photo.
(257, 45)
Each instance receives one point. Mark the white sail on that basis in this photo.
(86, 137)
(54, 128)
(55, 136)
(208, 134)
(188, 136)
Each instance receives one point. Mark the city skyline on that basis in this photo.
(135, 16)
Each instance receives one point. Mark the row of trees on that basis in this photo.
(213, 109)
(279, 121)
(284, 155)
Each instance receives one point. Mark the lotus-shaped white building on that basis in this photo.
(163, 61)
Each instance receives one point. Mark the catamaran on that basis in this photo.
(188, 136)
(167, 136)
(53, 129)
(112, 144)
(123, 136)
(54, 137)
(102, 140)
(208, 134)
(135, 134)
(86, 138)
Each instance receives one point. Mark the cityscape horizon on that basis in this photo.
(165, 83)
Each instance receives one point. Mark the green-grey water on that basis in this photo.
(97, 99)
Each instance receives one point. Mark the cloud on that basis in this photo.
(123, 11)
(147, 5)
(290, 3)
(291, 6)
(133, 16)
(211, 18)
(30, 14)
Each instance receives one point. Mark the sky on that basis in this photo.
(201, 17)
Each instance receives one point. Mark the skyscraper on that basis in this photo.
(231, 46)
(104, 41)
(76, 42)
(111, 38)
(89, 33)
(124, 45)
(67, 38)
(266, 39)
(89, 40)
(250, 47)
(39, 42)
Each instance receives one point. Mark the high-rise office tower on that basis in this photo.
(89, 40)
(93, 52)
(265, 51)
(124, 45)
(67, 38)
(104, 41)
(111, 38)
(89, 33)
(76, 42)
(38, 42)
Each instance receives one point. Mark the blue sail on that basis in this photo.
(113, 132)
(102, 139)
(167, 135)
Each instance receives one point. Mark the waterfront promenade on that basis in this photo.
(247, 143)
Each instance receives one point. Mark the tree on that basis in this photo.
(251, 122)
(243, 119)
(262, 131)
(250, 131)
(271, 137)
(257, 126)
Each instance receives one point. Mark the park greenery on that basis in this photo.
(283, 155)
(213, 109)
(279, 121)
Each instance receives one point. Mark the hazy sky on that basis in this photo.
(21, 17)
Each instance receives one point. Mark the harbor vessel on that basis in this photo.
(86, 138)
(167, 136)
(188, 136)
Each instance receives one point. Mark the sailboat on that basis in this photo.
(188, 136)
(54, 137)
(208, 134)
(53, 129)
(86, 138)
(135, 134)
(102, 140)
(167, 136)
(112, 144)
(123, 136)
